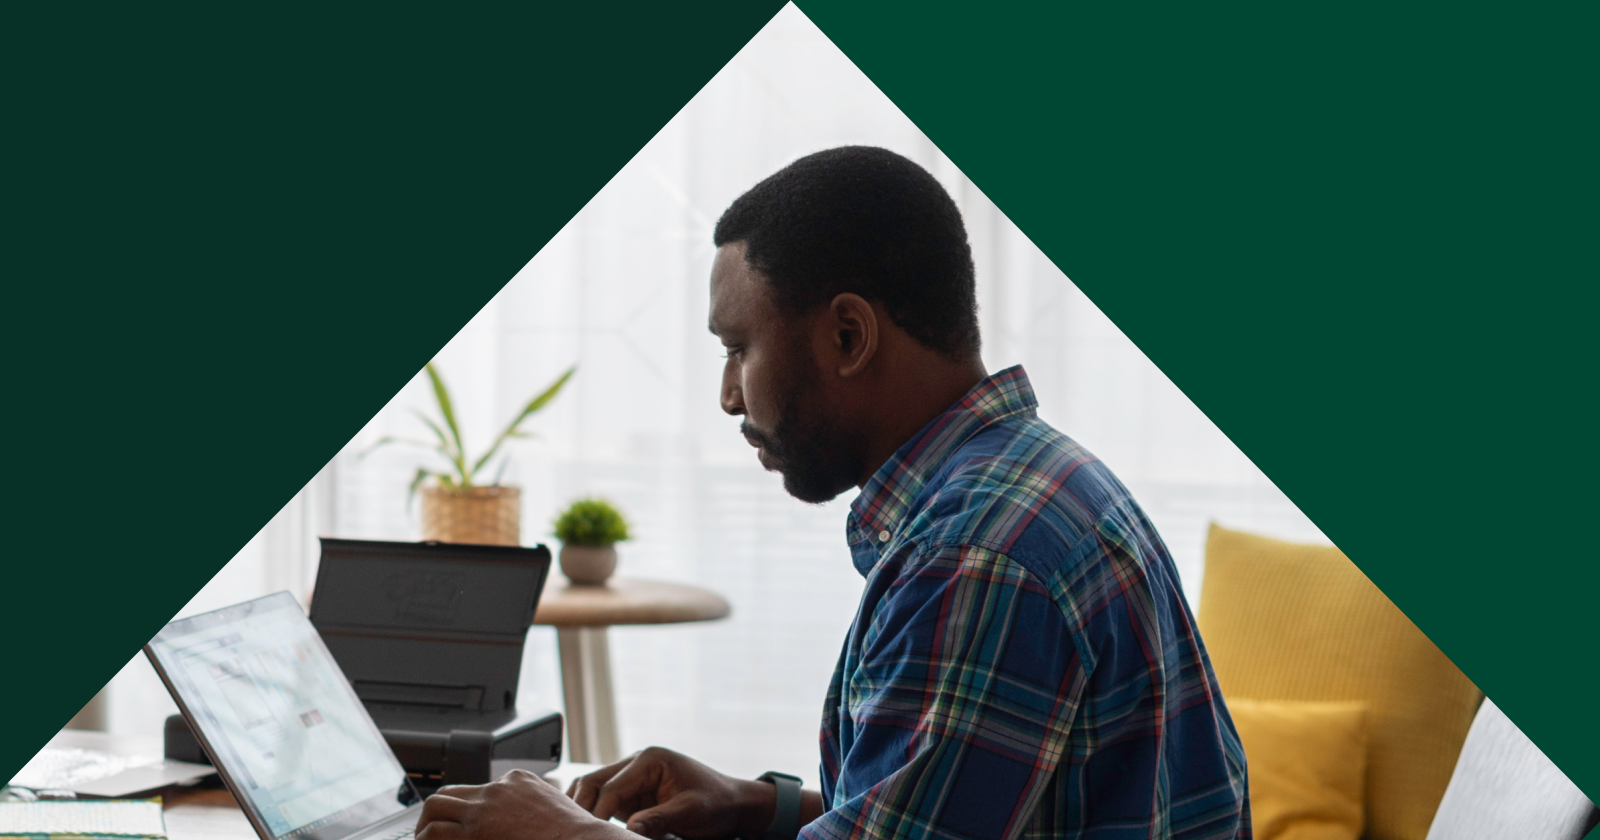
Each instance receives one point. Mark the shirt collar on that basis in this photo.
(883, 502)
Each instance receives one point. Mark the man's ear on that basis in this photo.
(854, 328)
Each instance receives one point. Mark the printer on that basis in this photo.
(430, 636)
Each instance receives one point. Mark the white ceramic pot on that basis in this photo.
(588, 565)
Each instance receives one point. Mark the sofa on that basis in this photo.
(1354, 724)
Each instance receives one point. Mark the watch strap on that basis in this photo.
(786, 815)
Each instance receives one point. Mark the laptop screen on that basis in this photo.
(280, 719)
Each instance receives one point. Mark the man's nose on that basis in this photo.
(732, 395)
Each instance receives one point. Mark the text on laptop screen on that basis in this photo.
(293, 736)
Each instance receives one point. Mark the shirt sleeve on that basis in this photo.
(960, 708)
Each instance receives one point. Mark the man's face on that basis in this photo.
(772, 379)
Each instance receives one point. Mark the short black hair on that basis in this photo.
(864, 220)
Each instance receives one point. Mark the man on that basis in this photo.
(1023, 663)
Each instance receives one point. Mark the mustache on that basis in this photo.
(756, 437)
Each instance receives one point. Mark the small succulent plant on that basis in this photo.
(591, 522)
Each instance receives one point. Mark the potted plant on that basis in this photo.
(589, 530)
(455, 507)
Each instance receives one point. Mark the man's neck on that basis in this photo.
(915, 393)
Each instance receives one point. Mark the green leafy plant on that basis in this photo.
(463, 471)
(591, 522)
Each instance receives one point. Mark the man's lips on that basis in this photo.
(758, 441)
(761, 452)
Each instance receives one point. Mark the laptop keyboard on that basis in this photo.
(403, 833)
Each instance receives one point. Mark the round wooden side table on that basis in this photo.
(581, 615)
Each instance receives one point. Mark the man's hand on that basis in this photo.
(521, 806)
(659, 791)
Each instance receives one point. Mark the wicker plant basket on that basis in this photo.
(485, 515)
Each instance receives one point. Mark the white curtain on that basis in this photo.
(621, 292)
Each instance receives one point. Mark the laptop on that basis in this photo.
(282, 725)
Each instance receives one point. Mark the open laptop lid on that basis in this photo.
(280, 721)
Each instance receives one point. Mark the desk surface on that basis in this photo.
(214, 815)
(211, 813)
(626, 601)
(208, 814)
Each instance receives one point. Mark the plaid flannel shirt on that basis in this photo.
(1023, 663)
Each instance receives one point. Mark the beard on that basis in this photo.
(808, 453)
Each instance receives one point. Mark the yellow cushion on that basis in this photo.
(1284, 621)
(1307, 765)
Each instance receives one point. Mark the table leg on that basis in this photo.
(586, 688)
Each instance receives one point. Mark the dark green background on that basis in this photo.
(1360, 238)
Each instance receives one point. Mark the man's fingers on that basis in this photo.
(468, 792)
(442, 807)
(586, 789)
(442, 830)
(674, 815)
(629, 790)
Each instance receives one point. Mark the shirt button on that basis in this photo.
(883, 536)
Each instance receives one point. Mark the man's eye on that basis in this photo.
(732, 352)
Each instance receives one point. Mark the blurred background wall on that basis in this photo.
(621, 292)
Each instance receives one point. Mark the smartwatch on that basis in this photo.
(786, 816)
